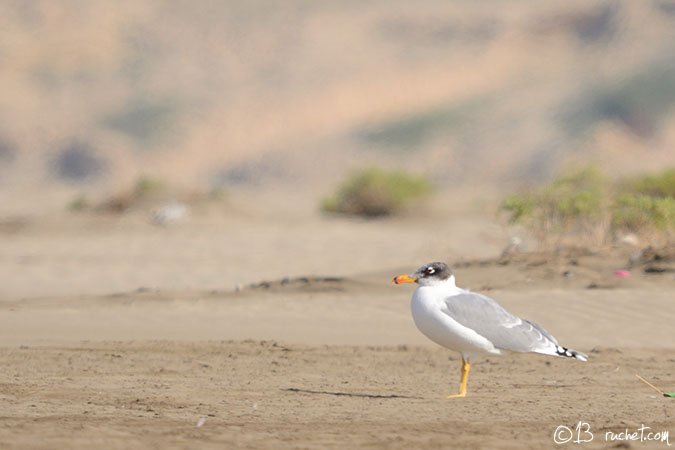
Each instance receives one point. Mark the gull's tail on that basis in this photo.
(570, 353)
(559, 349)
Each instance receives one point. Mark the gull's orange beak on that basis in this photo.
(404, 279)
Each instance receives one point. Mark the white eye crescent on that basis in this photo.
(431, 270)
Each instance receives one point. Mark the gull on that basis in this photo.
(471, 323)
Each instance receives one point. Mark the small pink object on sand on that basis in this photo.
(622, 273)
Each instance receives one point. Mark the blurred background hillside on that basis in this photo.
(267, 94)
(240, 120)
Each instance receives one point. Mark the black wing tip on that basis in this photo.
(570, 353)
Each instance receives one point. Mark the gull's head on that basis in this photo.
(432, 274)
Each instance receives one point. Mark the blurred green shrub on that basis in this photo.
(646, 205)
(573, 203)
(644, 214)
(660, 185)
(519, 207)
(146, 190)
(375, 192)
(584, 203)
(147, 186)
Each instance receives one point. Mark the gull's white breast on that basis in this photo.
(427, 310)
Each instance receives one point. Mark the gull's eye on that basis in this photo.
(430, 270)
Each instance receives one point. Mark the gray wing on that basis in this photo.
(506, 331)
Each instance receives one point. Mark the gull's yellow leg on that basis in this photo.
(464, 379)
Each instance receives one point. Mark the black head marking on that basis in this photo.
(434, 270)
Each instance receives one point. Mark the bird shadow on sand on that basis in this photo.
(346, 394)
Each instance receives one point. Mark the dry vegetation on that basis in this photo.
(376, 192)
(585, 206)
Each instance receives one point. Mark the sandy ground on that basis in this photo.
(116, 334)
(267, 395)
